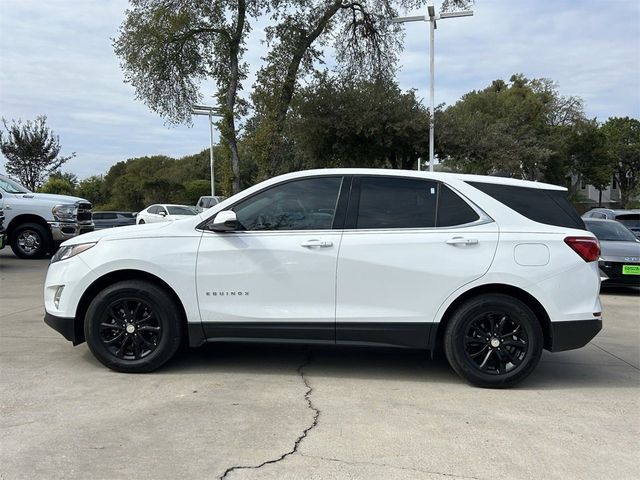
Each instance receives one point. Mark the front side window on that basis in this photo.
(307, 204)
(154, 209)
(174, 210)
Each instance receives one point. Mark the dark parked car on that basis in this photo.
(620, 252)
(113, 219)
(629, 218)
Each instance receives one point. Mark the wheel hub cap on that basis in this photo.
(131, 328)
(495, 343)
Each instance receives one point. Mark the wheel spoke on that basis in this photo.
(479, 352)
(120, 351)
(501, 324)
(519, 343)
(512, 358)
(502, 362)
(149, 328)
(471, 339)
(484, 362)
(511, 334)
(115, 339)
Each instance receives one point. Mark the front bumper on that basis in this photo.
(68, 327)
(573, 334)
(61, 231)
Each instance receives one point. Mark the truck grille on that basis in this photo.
(84, 212)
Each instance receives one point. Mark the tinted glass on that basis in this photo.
(397, 203)
(153, 209)
(453, 210)
(104, 216)
(126, 215)
(629, 220)
(550, 207)
(610, 231)
(307, 204)
(10, 186)
(181, 210)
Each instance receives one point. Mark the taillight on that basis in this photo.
(587, 247)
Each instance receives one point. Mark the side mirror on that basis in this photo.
(162, 213)
(225, 221)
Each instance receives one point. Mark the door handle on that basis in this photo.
(7, 207)
(316, 243)
(462, 241)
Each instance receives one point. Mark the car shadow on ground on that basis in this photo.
(619, 290)
(381, 364)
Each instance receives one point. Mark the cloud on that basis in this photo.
(56, 59)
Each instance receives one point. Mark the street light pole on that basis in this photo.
(209, 112)
(431, 16)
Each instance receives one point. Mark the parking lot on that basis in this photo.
(292, 412)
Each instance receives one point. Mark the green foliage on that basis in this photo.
(92, 189)
(514, 128)
(623, 144)
(331, 125)
(589, 155)
(194, 189)
(32, 151)
(60, 183)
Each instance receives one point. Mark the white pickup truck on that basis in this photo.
(36, 223)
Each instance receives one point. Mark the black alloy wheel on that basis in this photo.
(496, 343)
(493, 340)
(129, 329)
(133, 326)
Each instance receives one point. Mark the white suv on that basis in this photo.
(492, 270)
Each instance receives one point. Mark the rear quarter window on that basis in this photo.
(550, 207)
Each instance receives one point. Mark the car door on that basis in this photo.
(407, 245)
(275, 276)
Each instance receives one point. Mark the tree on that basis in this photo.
(167, 48)
(330, 125)
(32, 151)
(591, 160)
(514, 128)
(365, 42)
(60, 183)
(93, 189)
(623, 143)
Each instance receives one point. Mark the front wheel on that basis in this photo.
(133, 326)
(30, 240)
(493, 341)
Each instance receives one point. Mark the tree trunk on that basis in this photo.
(231, 96)
(288, 86)
(599, 198)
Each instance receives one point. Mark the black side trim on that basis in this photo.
(574, 334)
(278, 331)
(391, 334)
(196, 334)
(68, 327)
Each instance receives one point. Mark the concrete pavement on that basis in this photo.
(276, 412)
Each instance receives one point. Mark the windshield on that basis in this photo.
(629, 220)
(10, 186)
(610, 231)
(180, 210)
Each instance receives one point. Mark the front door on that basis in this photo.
(276, 276)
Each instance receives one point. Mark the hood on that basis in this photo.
(620, 251)
(119, 233)
(53, 198)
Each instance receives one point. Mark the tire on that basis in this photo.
(31, 240)
(493, 341)
(133, 326)
(141, 222)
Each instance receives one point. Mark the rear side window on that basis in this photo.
(397, 203)
(629, 220)
(452, 210)
(550, 207)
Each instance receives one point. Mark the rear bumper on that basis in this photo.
(573, 334)
(68, 327)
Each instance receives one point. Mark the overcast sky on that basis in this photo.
(56, 59)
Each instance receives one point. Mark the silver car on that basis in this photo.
(620, 252)
(629, 218)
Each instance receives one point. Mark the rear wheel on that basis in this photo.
(141, 222)
(30, 240)
(133, 326)
(493, 341)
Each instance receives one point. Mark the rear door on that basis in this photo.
(408, 244)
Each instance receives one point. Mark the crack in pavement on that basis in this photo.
(301, 437)
(412, 469)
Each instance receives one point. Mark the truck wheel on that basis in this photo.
(493, 341)
(30, 240)
(133, 326)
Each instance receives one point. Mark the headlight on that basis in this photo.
(64, 213)
(70, 251)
